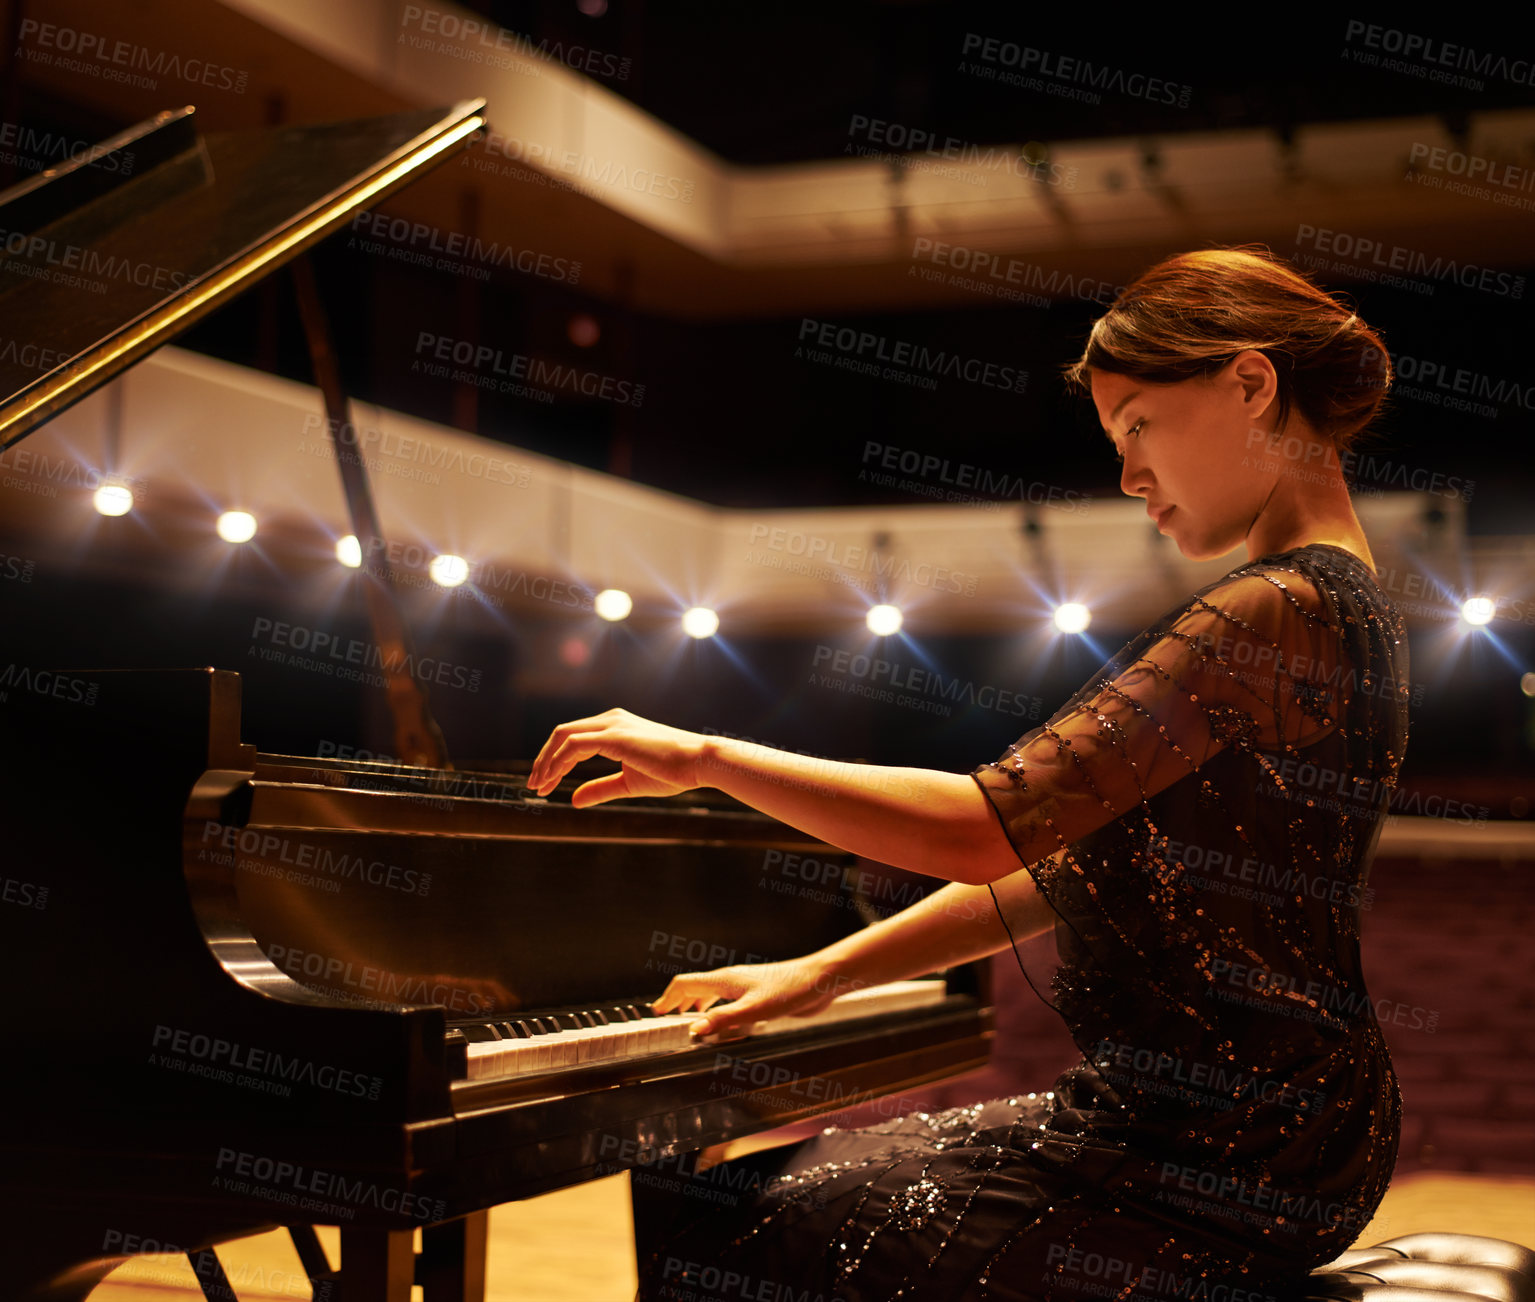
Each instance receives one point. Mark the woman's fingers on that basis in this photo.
(538, 774)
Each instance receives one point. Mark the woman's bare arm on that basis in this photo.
(926, 821)
(956, 924)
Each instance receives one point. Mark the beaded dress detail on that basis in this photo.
(1201, 817)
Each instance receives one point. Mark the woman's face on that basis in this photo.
(1195, 450)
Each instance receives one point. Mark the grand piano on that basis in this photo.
(251, 990)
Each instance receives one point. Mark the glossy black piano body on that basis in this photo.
(167, 880)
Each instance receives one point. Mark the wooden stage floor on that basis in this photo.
(576, 1246)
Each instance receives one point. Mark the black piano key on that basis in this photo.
(509, 1031)
(480, 1032)
(601, 1018)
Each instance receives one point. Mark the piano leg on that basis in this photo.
(381, 1265)
(377, 1265)
(210, 1275)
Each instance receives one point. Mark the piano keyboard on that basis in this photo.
(625, 1032)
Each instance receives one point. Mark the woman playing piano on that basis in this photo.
(1234, 1119)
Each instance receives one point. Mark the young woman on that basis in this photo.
(1196, 824)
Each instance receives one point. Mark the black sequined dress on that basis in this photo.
(1201, 817)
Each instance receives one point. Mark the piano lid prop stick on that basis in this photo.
(417, 738)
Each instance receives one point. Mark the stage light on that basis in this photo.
(1527, 684)
(1072, 617)
(612, 604)
(582, 330)
(575, 652)
(236, 526)
(700, 621)
(448, 571)
(113, 499)
(883, 620)
(349, 551)
(1477, 611)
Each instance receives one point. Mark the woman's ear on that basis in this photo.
(1255, 374)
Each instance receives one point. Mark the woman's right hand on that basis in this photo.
(757, 991)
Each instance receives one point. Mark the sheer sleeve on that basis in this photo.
(1250, 663)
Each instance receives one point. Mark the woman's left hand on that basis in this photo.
(657, 760)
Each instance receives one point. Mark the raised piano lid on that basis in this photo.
(174, 223)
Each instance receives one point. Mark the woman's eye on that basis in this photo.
(1135, 429)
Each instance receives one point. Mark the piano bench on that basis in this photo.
(1428, 1268)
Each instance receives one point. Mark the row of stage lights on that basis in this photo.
(449, 571)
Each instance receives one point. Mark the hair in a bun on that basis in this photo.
(1191, 314)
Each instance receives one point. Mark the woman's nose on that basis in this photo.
(1134, 479)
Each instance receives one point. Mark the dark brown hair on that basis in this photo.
(1191, 314)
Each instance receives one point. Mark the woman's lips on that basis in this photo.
(1159, 518)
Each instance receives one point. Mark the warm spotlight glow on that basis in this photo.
(448, 570)
(883, 620)
(700, 622)
(582, 330)
(1072, 617)
(114, 499)
(349, 551)
(1478, 611)
(236, 526)
(1527, 684)
(612, 604)
(575, 652)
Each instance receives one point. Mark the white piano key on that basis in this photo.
(653, 1036)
